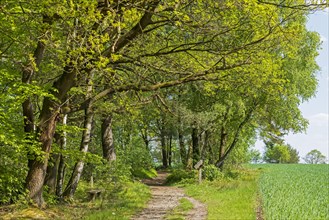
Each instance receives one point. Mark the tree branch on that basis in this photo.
(135, 31)
(311, 6)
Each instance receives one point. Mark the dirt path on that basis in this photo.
(165, 198)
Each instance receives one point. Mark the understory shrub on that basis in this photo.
(181, 175)
(12, 174)
(211, 173)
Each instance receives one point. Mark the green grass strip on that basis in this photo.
(181, 210)
(228, 199)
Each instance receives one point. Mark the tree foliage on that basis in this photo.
(315, 157)
(202, 76)
(281, 153)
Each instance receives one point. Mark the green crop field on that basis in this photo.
(295, 191)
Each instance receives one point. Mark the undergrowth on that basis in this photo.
(121, 202)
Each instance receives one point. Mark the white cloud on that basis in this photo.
(320, 119)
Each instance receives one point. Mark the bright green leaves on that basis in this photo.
(129, 18)
(278, 154)
(12, 148)
(254, 62)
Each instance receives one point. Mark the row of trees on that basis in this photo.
(86, 83)
(275, 153)
(282, 153)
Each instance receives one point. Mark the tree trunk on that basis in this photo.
(51, 175)
(163, 148)
(107, 139)
(144, 134)
(189, 164)
(61, 165)
(47, 125)
(38, 167)
(85, 140)
(170, 151)
(220, 162)
(78, 168)
(27, 75)
(195, 145)
(223, 140)
(27, 106)
(206, 147)
(60, 177)
(182, 148)
(164, 153)
(55, 159)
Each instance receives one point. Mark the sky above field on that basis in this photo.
(316, 109)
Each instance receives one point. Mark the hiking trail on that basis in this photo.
(165, 198)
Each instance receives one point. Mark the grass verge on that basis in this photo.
(181, 210)
(127, 203)
(228, 198)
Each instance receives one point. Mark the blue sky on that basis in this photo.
(316, 109)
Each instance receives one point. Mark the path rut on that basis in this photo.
(166, 198)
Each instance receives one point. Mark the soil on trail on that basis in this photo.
(166, 198)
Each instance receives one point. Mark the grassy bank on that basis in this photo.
(234, 196)
(132, 199)
(119, 204)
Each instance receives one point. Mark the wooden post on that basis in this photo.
(198, 166)
(200, 175)
(91, 181)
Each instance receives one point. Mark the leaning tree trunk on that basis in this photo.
(107, 139)
(78, 168)
(229, 149)
(223, 140)
(85, 140)
(47, 125)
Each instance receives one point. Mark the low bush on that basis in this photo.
(211, 173)
(181, 176)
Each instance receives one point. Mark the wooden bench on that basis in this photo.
(94, 194)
